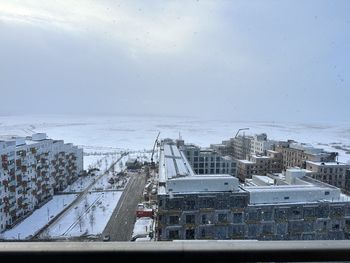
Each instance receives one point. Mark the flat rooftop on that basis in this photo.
(328, 163)
(246, 162)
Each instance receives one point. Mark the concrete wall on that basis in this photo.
(228, 216)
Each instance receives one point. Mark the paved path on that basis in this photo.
(121, 223)
(77, 200)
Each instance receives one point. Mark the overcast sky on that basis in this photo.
(254, 60)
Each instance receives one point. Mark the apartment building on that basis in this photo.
(260, 144)
(208, 161)
(260, 164)
(333, 173)
(242, 146)
(32, 169)
(347, 181)
(289, 206)
(296, 154)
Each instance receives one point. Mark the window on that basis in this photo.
(237, 218)
(190, 219)
(190, 233)
(204, 219)
(173, 220)
(173, 234)
(202, 232)
(222, 218)
(190, 204)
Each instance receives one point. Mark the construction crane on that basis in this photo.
(154, 146)
(241, 130)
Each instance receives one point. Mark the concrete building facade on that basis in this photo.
(296, 154)
(208, 161)
(333, 173)
(257, 164)
(260, 144)
(32, 169)
(242, 147)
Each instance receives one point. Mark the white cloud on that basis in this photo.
(158, 27)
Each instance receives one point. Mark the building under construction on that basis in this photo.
(289, 206)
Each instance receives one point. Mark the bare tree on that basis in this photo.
(92, 219)
(79, 218)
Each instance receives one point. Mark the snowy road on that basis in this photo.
(121, 223)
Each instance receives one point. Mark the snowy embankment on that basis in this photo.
(88, 217)
(32, 224)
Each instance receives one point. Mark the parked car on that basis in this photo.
(106, 238)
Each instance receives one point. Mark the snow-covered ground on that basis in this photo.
(102, 162)
(118, 133)
(80, 184)
(39, 218)
(89, 217)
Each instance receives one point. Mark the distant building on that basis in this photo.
(31, 170)
(258, 164)
(333, 173)
(242, 146)
(208, 161)
(347, 181)
(296, 154)
(260, 144)
(288, 206)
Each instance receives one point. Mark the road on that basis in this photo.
(121, 223)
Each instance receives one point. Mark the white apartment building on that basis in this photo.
(260, 144)
(32, 168)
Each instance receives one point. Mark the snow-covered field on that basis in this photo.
(118, 133)
(89, 217)
(39, 218)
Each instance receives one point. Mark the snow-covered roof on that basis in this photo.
(246, 162)
(173, 163)
(296, 187)
(143, 226)
(260, 156)
(328, 163)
